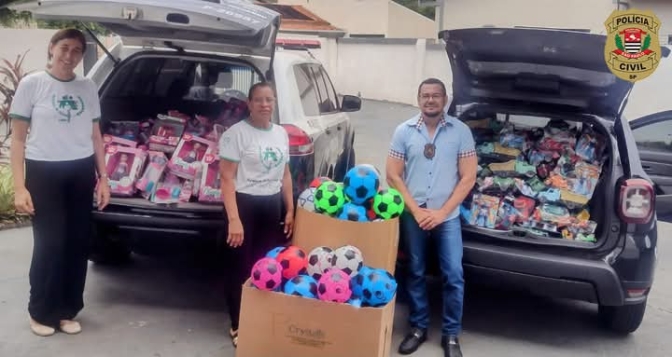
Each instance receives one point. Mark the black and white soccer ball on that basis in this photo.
(349, 259)
(319, 261)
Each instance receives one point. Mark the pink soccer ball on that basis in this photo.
(267, 274)
(334, 285)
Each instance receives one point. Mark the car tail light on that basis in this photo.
(637, 201)
(300, 143)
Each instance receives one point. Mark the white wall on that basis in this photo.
(380, 69)
(578, 14)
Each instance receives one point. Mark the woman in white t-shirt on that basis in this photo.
(255, 176)
(56, 137)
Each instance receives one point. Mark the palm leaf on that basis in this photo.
(619, 43)
(647, 43)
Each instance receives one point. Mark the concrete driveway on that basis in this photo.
(175, 307)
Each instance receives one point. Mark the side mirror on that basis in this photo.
(351, 103)
(665, 51)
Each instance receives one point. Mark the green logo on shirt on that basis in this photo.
(270, 157)
(68, 107)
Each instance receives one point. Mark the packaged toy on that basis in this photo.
(186, 191)
(116, 140)
(155, 167)
(210, 190)
(484, 211)
(166, 133)
(123, 166)
(189, 155)
(168, 189)
(128, 130)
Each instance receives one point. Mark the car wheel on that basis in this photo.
(623, 319)
(106, 250)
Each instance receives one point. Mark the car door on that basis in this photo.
(653, 136)
(335, 120)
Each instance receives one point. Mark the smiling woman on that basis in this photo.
(56, 137)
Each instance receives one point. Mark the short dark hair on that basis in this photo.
(433, 81)
(255, 86)
(67, 34)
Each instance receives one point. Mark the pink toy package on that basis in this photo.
(189, 156)
(109, 140)
(155, 167)
(123, 166)
(168, 189)
(210, 181)
(166, 133)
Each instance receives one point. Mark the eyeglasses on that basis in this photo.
(435, 96)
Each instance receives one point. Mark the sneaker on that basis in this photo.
(70, 327)
(41, 330)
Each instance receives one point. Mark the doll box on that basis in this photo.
(123, 166)
(209, 190)
(188, 156)
(116, 140)
(166, 133)
(153, 171)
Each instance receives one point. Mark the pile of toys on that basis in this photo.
(172, 158)
(334, 275)
(359, 198)
(535, 179)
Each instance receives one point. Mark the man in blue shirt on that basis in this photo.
(432, 162)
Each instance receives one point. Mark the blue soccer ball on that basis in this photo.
(378, 287)
(361, 183)
(352, 212)
(301, 285)
(357, 282)
(273, 253)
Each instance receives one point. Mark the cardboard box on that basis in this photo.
(378, 241)
(275, 324)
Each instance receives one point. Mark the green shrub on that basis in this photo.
(7, 210)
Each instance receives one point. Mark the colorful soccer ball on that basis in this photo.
(334, 285)
(301, 285)
(306, 199)
(319, 261)
(267, 274)
(357, 282)
(329, 198)
(293, 261)
(352, 212)
(318, 181)
(349, 259)
(273, 253)
(388, 203)
(379, 287)
(361, 183)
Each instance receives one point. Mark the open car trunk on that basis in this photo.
(165, 113)
(543, 179)
(540, 104)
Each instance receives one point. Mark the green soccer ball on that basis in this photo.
(388, 203)
(329, 198)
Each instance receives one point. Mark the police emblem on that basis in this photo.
(632, 50)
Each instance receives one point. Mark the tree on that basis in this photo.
(428, 12)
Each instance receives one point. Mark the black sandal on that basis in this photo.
(234, 337)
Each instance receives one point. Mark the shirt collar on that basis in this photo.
(444, 121)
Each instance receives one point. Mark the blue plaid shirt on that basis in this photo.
(432, 181)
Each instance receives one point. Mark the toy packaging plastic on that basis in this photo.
(155, 167)
(210, 190)
(189, 156)
(116, 140)
(168, 189)
(166, 133)
(123, 166)
(128, 130)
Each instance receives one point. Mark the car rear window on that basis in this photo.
(586, 77)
